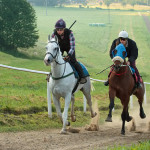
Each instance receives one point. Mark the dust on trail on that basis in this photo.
(107, 135)
(94, 125)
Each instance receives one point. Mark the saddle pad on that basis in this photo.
(85, 72)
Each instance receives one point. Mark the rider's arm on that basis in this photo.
(133, 52)
(72, 44)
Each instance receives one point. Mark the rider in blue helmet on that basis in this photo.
(66, 42)
(132, 53)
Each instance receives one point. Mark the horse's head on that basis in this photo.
(52, 51)
(119, 55)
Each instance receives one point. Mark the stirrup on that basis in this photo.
(106, 83)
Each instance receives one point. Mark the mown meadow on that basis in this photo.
(23, 98)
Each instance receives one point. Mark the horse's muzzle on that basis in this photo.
(117, 67)
(47, 62)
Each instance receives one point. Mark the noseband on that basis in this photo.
(56, 49)
(118, 67)
(54, 57)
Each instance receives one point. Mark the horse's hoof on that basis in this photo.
(122, 132)
(68, 123)
(108, 119)
(73, 118)
(142, 115)
(94, 115)
(63, 131)
(129, 119)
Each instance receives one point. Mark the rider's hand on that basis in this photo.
(128, 63)
(66, 58)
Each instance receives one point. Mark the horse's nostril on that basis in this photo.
(48, 60)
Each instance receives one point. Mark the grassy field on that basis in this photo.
(23, 102)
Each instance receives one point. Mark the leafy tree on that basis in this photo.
(133, 2)
(107, 2)
(123, 3)
(17, 24)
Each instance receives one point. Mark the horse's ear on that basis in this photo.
(56, 38)
(49, 38)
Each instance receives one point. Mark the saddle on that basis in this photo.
(135, 79)
(85, 73)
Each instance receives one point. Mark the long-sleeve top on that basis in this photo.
(131, 48)
(66, 41)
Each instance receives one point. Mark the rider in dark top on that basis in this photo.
(132, 52)
(66, 42)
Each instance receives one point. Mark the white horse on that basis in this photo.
(62, 83)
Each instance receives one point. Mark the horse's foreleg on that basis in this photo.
(65, 113)
(73, 117)
(111, 106)
(125, 114)
(123, 123)
(112, 94)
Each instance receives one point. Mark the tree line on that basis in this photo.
(85, 2)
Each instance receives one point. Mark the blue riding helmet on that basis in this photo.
(120, 51)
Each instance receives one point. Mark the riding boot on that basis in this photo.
(106, 83)
(79, 69)
(138, 84)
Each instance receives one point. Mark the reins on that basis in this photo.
(119, 74)
(56, 53)
(54, 57)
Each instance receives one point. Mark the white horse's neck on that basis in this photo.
(58, 66)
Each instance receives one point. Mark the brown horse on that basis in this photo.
(122, 85)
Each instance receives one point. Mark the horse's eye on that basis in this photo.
(115, 52)
(56, 48)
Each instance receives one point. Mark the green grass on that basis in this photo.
(23, 102)
(140, 146)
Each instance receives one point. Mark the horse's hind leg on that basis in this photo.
(58, 107)
(73, 118)
(142, 114)
(87, 93)
(140, 95)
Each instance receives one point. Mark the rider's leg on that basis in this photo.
(133, 65)
(78, 68)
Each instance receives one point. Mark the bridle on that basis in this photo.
(54, 57)
(119, 74)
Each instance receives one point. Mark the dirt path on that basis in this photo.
(147, 22)
(107, 135)
(53, 140)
